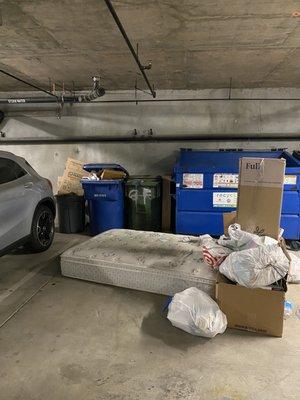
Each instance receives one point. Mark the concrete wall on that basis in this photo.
(247, 119)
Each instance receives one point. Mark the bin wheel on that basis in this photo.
(42, 229)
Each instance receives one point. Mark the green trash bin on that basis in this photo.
(143, 203)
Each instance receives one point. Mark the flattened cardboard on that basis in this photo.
(70, 181)
(112, 174)
(66, 186)
(254, 310)
(265, 172)
(260, 195)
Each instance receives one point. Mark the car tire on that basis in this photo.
(42, 229)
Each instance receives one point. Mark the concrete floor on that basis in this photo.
(78, 340)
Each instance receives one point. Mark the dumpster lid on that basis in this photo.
(222, 161)
(97, 167)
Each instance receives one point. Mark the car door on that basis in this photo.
(16, 202)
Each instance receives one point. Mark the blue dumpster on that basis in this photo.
(105, 199)
(206, 187)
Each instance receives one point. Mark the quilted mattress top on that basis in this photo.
(122, 248)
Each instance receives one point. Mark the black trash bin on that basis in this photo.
(71, 213)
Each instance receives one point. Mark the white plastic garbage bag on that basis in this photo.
(257, 267)
(238, 239)
(213, 254)
(195, 312)
(294, 272)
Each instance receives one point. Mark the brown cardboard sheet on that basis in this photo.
(260, 195)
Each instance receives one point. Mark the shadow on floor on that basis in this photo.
(157, 325)
(21, 250)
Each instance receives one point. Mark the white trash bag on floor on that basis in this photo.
(257, 267)
(197, 313)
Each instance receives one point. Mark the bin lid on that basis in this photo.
(143, 180)
(97, 167)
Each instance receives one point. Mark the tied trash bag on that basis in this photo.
(256, 267)
(239, 240)
(213, 254)
(195, 312)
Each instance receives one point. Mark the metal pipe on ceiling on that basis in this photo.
(199, 99)
(157, 139)
(35, 100)
(78, 100)
(96, 92)
(28, 83)
(130, 46)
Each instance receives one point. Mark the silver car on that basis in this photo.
(27, 207)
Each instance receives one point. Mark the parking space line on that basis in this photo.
(21, 282)
(23, 304)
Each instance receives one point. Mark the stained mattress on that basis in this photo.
(150, 261)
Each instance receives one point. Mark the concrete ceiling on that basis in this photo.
(192, 43)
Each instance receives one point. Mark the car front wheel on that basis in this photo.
(42, 230)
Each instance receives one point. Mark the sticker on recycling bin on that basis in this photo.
(290, 179)
(226, 180)
(192, 181)
(225, 199)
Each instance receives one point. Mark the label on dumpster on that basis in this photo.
(193, 181)
(290, 179)
(226, 180)
(225, 199)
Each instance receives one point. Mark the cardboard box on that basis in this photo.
(166, 204)
(112, 174)
(70, 181)
(254, 310)
(260, 195)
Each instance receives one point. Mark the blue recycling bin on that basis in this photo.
(105, 199)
